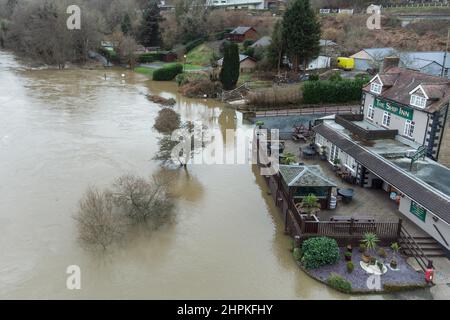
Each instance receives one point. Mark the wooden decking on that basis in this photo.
(353, 109)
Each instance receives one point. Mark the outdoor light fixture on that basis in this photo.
(435, 219)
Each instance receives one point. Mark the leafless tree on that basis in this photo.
(99, 226)
(144, 201)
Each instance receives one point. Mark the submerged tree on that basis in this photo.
(167, 121)
(105, 217)
(144, 201)
(98, 225)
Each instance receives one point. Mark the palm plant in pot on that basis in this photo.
(310, 206)
(259, 124)
(288, 158)
(395, 248)
(370, 240)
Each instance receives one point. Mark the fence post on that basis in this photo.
(399, 228)
(352, 221)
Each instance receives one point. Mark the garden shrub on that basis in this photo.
(339, 283)
(149, 57)
(382, 253)
(338, 91)
(168, 72)
(297, 254)
(350, 266)
(319, 251)
(314, 77)
(192, 44)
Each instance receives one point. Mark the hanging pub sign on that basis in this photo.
(418, 211)
(394, 108)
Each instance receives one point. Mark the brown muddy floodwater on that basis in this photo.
(62, 131)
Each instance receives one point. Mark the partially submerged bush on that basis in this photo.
(167, 121)
(201, 88)
(167, 73)
(339, 283)
(350, 266)
(297, 253)
(98, 224)
(319, 251)
(104, 217)
(161, 100)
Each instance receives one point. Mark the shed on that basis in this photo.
(262, 42)
(246, 63)
(241, 34)
(301, 181)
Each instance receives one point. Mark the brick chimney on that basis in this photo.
(390, 62)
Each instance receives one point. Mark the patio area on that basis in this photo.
(366, 202)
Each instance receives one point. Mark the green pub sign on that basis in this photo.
(418, 211)
(394, 108)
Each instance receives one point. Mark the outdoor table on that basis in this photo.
(347, 194)
(309, 152)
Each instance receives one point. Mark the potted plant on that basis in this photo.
(350, 267)
(380, 266)
(336, 163)
(348, 256)
(373, 261)
(395, 248)
(362, 248)
(310, 206)
(323, 154)
(349, 248)
(288, 158)
(370, 241)
(259, 124)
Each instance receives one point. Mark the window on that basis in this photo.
(409, 128)
(348, 161)
(386, 119)
(418, 101)
(370, 112)
(334, 153)
(376, 87)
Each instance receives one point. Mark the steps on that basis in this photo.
(429, 246)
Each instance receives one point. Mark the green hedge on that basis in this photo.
(149, 57)
(327, 91)
(111, 55)
(192, 44)
(339, 283)
(168, 72)
(319, 251)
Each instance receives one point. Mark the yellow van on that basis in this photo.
(346, 63)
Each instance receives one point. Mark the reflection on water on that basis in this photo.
(61, 131)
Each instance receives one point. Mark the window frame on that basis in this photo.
(388, 116)
(408, 130)
(370, 112)
(374, 85)
(414, 101)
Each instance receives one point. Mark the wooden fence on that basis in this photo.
(308, 111)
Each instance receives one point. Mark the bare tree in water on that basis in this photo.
(105, 217)
(99, 226)
(144, 201)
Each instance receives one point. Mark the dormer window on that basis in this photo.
(375, 87)
(418, 101)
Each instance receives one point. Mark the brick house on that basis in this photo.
(240, 34)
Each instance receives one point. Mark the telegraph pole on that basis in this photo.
(445, 54)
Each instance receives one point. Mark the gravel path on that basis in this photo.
(406, 276)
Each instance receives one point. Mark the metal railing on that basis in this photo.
(415, 250)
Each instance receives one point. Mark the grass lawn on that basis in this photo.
(145, 71)
(200, 55)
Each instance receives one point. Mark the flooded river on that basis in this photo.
(63, 131)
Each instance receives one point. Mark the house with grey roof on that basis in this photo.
(262, 42)
(246, 63)
(371, 58)
(428, 62)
